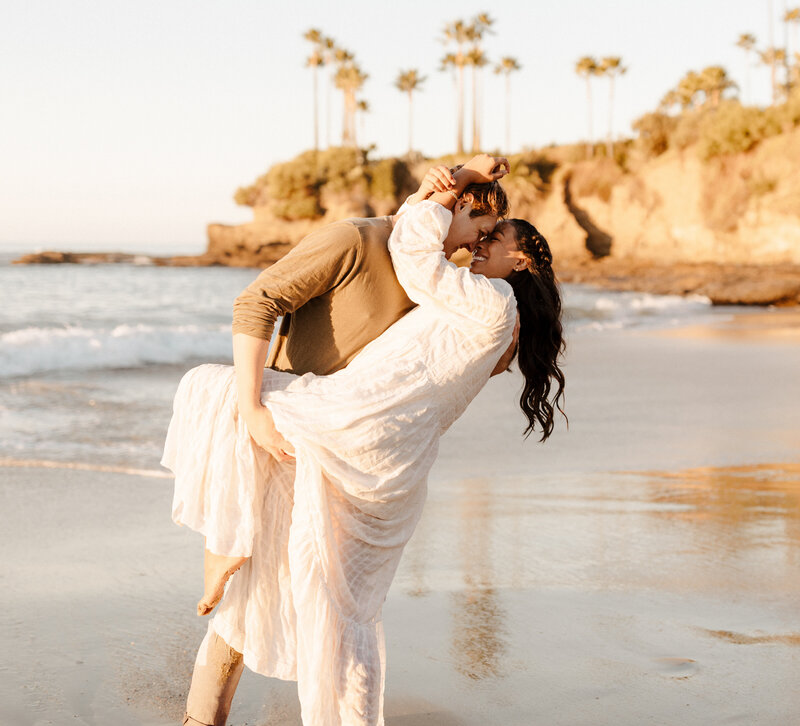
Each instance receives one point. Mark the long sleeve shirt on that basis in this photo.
(336, 291)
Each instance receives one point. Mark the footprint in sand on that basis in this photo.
(680, 668)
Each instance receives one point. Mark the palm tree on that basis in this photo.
(747, 42)
(689, 89)
(329, 60)
(507, 66)
(792, 17)
(476, 58)
(408, 82)
(457, 32)
(612, 67)
(773, 57)
(349, 79)
(587, 67)
(714, 81)
(314, 61)
(362, 107)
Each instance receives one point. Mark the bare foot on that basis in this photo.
(217, 571)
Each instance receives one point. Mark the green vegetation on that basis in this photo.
(717, 127)
(295, 189)
(703, 108)
(532, 168)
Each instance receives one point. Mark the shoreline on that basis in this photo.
(724, 284)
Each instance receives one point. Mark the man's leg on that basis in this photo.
(216, 674)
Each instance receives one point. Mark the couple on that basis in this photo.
(308, 477)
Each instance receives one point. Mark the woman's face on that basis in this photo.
(498, 255)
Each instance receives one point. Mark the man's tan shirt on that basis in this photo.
(336, 291)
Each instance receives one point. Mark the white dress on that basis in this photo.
(326, 534)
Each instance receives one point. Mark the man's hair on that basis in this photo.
(488, 198)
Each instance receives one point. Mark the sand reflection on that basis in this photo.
(745, 505)
(478, 644)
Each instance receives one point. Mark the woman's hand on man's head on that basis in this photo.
(485, 168)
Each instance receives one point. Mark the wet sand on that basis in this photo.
(643, 567)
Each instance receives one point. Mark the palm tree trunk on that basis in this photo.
(460, 132)
(589, 143)
(507, 150)
(773, 68)
(475, 140)
(410, 119)
(747, 77)
(345, 122)
(316, 112)
(328, 105)
(610, 141)
(786, 76)
(351, 118)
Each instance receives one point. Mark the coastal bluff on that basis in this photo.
(726, 227)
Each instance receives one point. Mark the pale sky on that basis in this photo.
(129, 125)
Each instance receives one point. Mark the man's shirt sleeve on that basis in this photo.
(316, 265)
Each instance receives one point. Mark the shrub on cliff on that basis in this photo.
(294, 189)
(390, 179)
(654, 131)
(532, 168)
(341, 169)
(687, 130)
(787, 115)
(732, 128)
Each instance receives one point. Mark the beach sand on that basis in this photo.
(641, 568)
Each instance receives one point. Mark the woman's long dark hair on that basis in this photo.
(541, 337)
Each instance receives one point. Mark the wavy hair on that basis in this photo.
(488, 198)
(541, 336)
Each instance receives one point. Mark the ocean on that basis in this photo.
(91, 355)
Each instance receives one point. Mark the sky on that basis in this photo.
(129, 125)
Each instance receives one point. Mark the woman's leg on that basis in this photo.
(217, 570)
(217, 670)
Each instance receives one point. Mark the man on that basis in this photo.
(336, 291)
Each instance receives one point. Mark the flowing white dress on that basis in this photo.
(326, 533)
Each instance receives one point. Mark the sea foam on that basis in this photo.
(37, 349)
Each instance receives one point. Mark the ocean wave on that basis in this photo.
(36, 349)
(589, 309)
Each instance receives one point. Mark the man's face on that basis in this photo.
(465, 231)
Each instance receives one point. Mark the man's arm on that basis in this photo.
(249, 356)
(317, 264)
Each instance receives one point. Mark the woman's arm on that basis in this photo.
(429, 279)
(444, 186)
(480, 169)
(507, 357)
(249, 357)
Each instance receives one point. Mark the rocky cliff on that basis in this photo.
(726, 227)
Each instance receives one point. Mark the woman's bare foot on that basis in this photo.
(217, 571)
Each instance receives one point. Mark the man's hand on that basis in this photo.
(485, 168)
(263, 432)
(508, 356)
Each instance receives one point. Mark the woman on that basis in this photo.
(326, 533)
